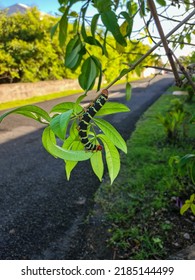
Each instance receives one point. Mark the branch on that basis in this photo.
(153, 10)
(152, 49)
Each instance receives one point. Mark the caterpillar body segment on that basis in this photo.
(86, 118)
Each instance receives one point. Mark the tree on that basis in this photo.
(26, 51)
(111, 18)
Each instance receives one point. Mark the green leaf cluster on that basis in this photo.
(175, 120)
(189, 204)
(185, 165)
(61, 139)
(94, 51)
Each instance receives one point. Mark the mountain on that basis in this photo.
(20, 8)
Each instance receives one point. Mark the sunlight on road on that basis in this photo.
(14, 133)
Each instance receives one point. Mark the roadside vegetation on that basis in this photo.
(142, 207)
(28, 54)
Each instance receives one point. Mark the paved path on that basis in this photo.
(42, 216)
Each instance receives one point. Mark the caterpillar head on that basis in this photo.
(105, 92)
(98, 148)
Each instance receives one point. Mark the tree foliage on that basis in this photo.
(26, 51)
(28, 54)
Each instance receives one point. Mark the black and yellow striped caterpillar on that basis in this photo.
(87, 116)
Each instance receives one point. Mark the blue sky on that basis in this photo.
(43, 5)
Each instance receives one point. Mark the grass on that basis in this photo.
(140, 205)
(37, 99)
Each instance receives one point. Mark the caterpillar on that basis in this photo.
(86, 118)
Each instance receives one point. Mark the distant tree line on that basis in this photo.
(28, 54)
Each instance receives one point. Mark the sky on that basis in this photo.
(51, 6)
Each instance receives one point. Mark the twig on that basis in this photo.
(175, 20)
(161, 68)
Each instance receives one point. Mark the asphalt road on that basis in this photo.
(42, 216)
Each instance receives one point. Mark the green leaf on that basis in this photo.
(128, 24)
(161, 2)
(79, 100)
(102, 5)
(112, 134)
(112, 108)
(30, 111)
(73, 14)
(74, 26)
(192, 172)
(99, 67)
(94, 42)
(192, 198)
(132, 8)
(184, 208)
(97, 164)
(74, 131)
(112, 157)
(94, 24)
(128, 91)
(83, 31)
(188, 38)
(142, 8)
(63, 27)
(186, 160)
(109, 19)
(68, 143)
(70, 165)
(54, 29)
(124, 72)
(65, 106)
(48, 134)
(193, 208)
(73, 52)
(138, 71)
(60, 123)
(88, 74)
(49, 143)
(105, 52)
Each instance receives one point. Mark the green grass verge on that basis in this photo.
(139, 206)
(37, 99)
